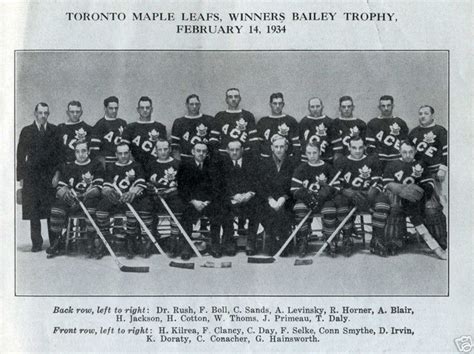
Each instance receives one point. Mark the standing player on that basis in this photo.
(143, 134)
(431, 142)
(361, 178)
(191, 128)
(162, 174)
(72, 131)
(310, 187)
(129, 177)
(234, 124)
(385, 132)
(85, 177)
(107, 132)
(411, 190)
(347, 127)
(281, 124)
(317, 128)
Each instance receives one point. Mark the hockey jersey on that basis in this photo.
(283, 125)
(142, 138)
(106, 134)
(124, 176)
(320, 130)
(431, 146)
(346, 128)
(311, 176)
(187, 131)
(69, 133)
(163, 174)
(407, 173)
(234, 125)
(384, 136)
(81, 176)
(359, 174)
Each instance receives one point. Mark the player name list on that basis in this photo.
(232, 324)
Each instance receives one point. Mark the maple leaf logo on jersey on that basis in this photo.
(395, 129)
(201, 130)
(241, 124)
(321, 130)
(130, 175)
(153, 135)
(354, 132)
(417, 171)
(283, 129)
(365, 172)
(170, 174)
(80, 134)
(429, 138)
(321, 178)
(87, 177)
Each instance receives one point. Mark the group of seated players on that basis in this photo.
(270, 173)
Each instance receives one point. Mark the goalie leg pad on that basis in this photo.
(58, 217)
(342, 209)
(435, 222)
(381, 211)
(329, 218)
(301, 210)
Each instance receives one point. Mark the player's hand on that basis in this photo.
(111, 195)
(411, 192)
(91, 192)
(136, 190)
(128, 197)
(441, 175)
(198, 204)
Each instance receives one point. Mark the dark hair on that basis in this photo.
(74, 103)
(163, 140)
(356, 138)
(345, 98)
(425, 106)
(386, 97)
(110, 100)
(81, 141)
(276, 95)
(314, 144)
(41, 104)
(121, 143)
(407, 142)
(145, 99)
(231, 89)
(192, 96)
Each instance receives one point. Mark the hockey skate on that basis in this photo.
(303, 247)
(377, 247)
(347, 246)
(55, 249)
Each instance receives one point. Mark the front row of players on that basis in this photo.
(274, 192)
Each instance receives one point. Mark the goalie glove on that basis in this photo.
(111, 195)
(65, 194)
(306, 197)
(411, 192)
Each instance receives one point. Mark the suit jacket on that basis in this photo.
(240, 179)
(37, 159)
(274, 183)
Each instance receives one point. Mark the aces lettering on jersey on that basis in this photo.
(399, 176)
(83, 184)
(423, 146)
(124, 183)
(357, 182)
(110, 137)
(389, 140)
(235, 133)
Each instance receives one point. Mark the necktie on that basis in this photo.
(42, 130)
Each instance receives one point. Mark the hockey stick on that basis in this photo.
(121, 266)
(291, 237)
(150, 235)
(190, 242)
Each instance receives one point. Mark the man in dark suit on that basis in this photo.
(274, 188)
(240, 196)
(200, 187)
(36, 162)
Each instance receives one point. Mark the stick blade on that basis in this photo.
(299, 262)
(260, 260)
(129, 269)
(182, 265)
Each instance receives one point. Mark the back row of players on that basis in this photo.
(265, 172)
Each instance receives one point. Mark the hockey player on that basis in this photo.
(234, 124)
(431, 142)
(73, 130)
(411, 190)
(200, 189)
(85, 177)
(281, 124)
(187, 130)
(385, 132)
(318, 128)
(143, 134)
(311, 190)
(162, 176)
(107, 132)
(274, 188)
(361, 179)
(240, 197)
(347, 127)
(129, 177)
